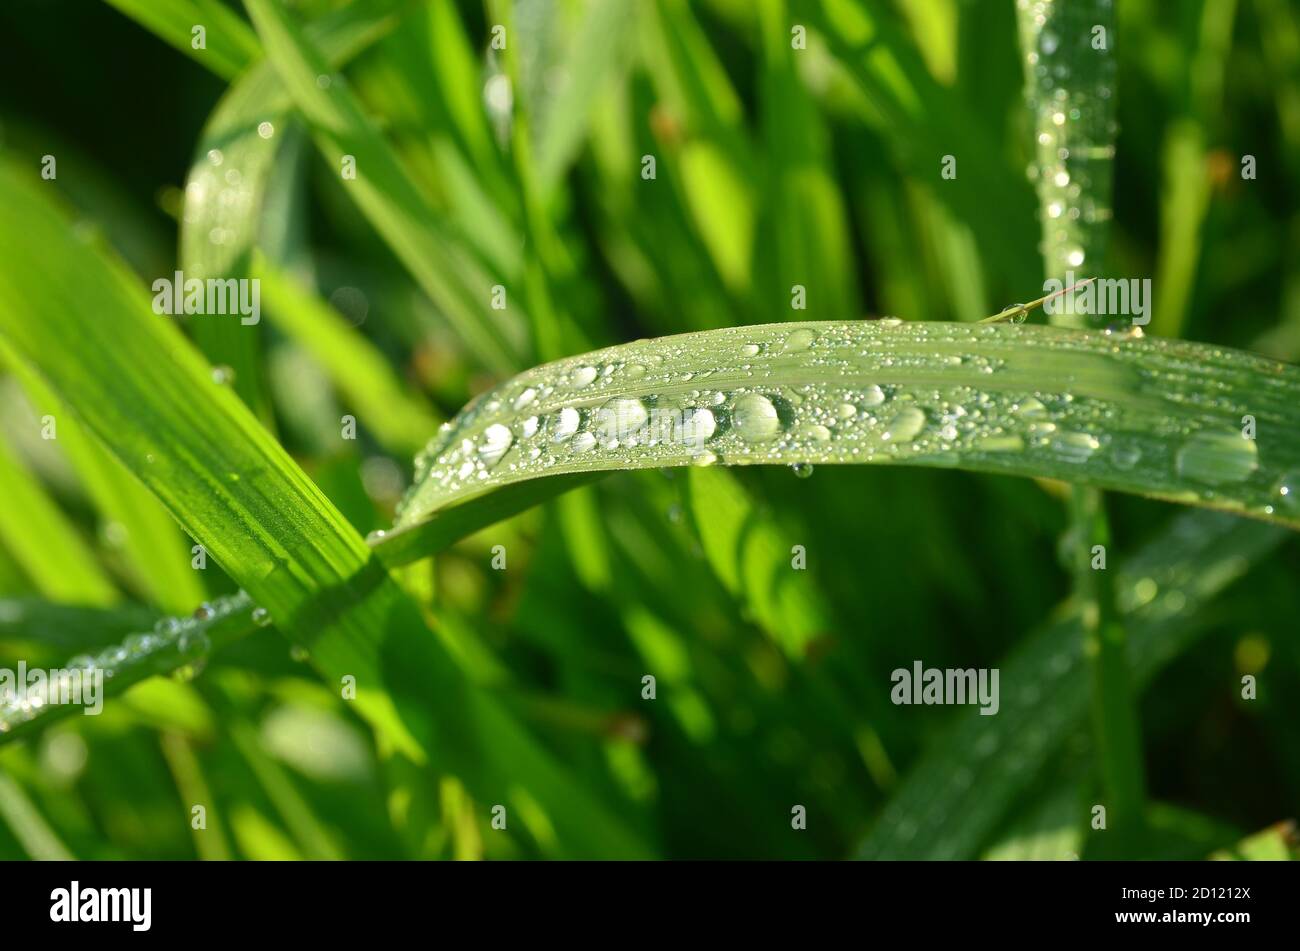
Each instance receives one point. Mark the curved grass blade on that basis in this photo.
(1158, 418)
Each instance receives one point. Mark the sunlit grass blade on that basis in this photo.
(439, 259)
(158, 558)
(235, 490)
(228, 43)
(1152, 417)
(226, 201)
(52, 553)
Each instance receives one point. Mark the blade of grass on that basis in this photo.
(48, 547)
(1152, 417)
(154, 546)
(229, 44)
(400, 420)
(1070, 91)
(955, 796)
(226, 192)
(28, 825)
(233, 488)
(439, 259)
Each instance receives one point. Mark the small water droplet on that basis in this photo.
(873, 396)
(221, 375)
(802, 470)
(1288, 491)
(204, 612)
(193, 642)
(261, 617)
(583, 377)
(749, 350)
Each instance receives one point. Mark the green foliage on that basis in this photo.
(382, 660)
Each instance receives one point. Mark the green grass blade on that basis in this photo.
(232, 487)
(438, 258)
(155, 548)
(51, 551)
(28, 825)
(226, 200)
(398, 418)
(1153, 417)
(953, 799)
(229, 43)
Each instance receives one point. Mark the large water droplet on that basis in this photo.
(1216, 458)
(800, 339)
(873, 396)
(621, 418)
(583, 376)
(496, 441)
(905, 426)
(755, 418)
(565, 424)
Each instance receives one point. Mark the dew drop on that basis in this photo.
(1126, 457)
(802, 470)
(1216, 458)
(698, 426)
(193, 643)
(261, 617)
(497, 439)
(621, 418)
(905, 426)
(749, 350)
(583, 377)
(167, 627)
(755, 418)
(873, 396)
(1031, 408)
(566, 423)
(800, 339)
(1288, 491)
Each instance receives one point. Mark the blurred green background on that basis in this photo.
(773, 165)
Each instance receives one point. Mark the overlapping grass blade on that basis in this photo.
(62, 566)
(440, 260)
(146, 393)
(229, 44)
(955, 796)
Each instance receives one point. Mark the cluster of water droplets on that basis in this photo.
(1069, 91)
(870, 391)
(172, 639)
